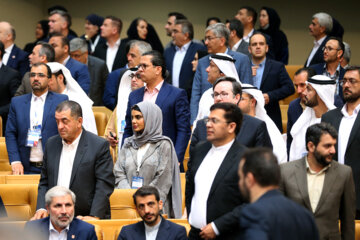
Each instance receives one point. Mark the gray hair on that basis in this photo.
(142, 46)
(46, 50)
(58, 191)
(219, 30)
(347, 52)
(325, 20)
(78, 44)
(186, 27)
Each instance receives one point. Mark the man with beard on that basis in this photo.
(61, 223)
(318, 99)
(346, 121)
(154, 226)
(322, 185)
(270, 215)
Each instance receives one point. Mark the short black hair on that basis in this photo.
(251, 12)
(43, 64)
(237, 89)
(340, 43)
(146, 191)
(136, 108)
(75, 108)
(353, 68)
(64, 40)
(157, 60)
(263, 164)
(314, 133)
(235, 24)
(232, 113)
(212, 19)
(177, 15)
(46, 50)
(310, 71)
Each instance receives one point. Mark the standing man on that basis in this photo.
(346, 121)
(154, 226)
(270, 215)
(113, 51)
(236, 41)
(180, 54)
(60, 204)
(97, 69)
(247, 16)
(170, 23)
(171, 100)
(320, 27)
(78, 160)
(60, 22)
(211, 191)
(270, 77)
(31, 123)
(322, 185)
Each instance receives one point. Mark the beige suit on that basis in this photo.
(337, 200)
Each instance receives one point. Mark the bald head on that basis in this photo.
(7, 34)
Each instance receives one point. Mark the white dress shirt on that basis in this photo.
(151, 232)
(247, 37)
(66, 60)
(235, 47)
(177, 63)
(346, 125)
(67, 161)
(111, 54)
(315, 48)
(55, 235)
(7, 52)
(204, 178)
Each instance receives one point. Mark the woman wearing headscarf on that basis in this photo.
(270, 25)
(41, 33)
(140, 29)
(149, 158)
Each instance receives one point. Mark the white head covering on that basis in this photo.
(226, 65)
(325, 88)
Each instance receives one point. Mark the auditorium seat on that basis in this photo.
(4, 158)
(186, 157)
(20, 179)
(291, 69)
(122, 204)
(284, 109)
(183, 183)
(101, 120)
(105, 110)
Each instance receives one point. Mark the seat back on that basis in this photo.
(101, 120)
(111, 228)
(4, 158)
(183, 183)
(291, 69)
(122, 205)
(21, 179)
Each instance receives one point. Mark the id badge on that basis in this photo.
(137, 182)
(33, 137)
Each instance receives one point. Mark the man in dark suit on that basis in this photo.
(148, 205)
(216, 41)
(236, 43)
(211, 192)
(323, 186)
(13, 57)
(113, 51)
(171, 100)
(320, 26)
(97, 68)
(9, 81)
(80, 161)
(31, 122)
(60, 22)
(270, 215)
(179, 55)
(270, 77)
(253, 131)
(60, 202)
(346, 121)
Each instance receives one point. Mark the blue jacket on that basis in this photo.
(18, 124)
(80, 73)
(19, 60)
(201, 84)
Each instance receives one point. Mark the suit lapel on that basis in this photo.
(354, 131)
(301, 179)
(200, 154)
(80, 152)
(140, 231)
(163, 95)
(163, 232)
(56, 159)
(47, 107)
(265, 73)
(27, 105)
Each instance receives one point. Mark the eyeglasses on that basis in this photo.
(214, 120)
(143, 66)
(350, 81)
(329, 49)
(41, 75)
(222, 95)
(210, 38)
(134, 75)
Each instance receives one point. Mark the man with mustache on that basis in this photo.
(61, 224)
(322, 185)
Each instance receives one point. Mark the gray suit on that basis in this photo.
(98, 75)
(244, 48)
(25, 86)
(337, 200)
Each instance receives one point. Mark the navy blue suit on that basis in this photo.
(273, 216)
(18, 124)
(80, 73)
(186, 73)
(167, 231)
(19, 60)
(319, 55)
(278, 85)
(201, 84)
(112, 88)
(176, 115)
(78, 229)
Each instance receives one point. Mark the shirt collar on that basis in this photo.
(42, 97)
(236, 45)
(157, 86)
(51, 227)
(0, 63)
(261, 64)
(313, 172)
(345, 113)
(66, 60)
(319, 42)
(9, 48)
(224, 147)
(184, 47)
(117, 43)
(74, 143)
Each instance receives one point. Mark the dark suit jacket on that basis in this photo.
(92, 179)
(19, 122)
(78, 229)
(253, 133)
(186, 73)
(273, 216)
(112, 87)
(120, 59)
(18, 60)
(80, 73)
(98, 75)
(319, 55)
(244, 48)
(278, 85)
(25, 86)
(9, 81)
(352, 150)
(337, 200)
(167, 231)
(176, 116)
(224, 195)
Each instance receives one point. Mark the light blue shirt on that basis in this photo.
(259, 74)
(177, 63)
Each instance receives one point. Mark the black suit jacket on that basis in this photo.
(98, 75)
(92, 179)
(278, 85)
(18, 60)
(120, 58)
(352, 150)
(319, 55)
(224, 195)
(253, 133)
